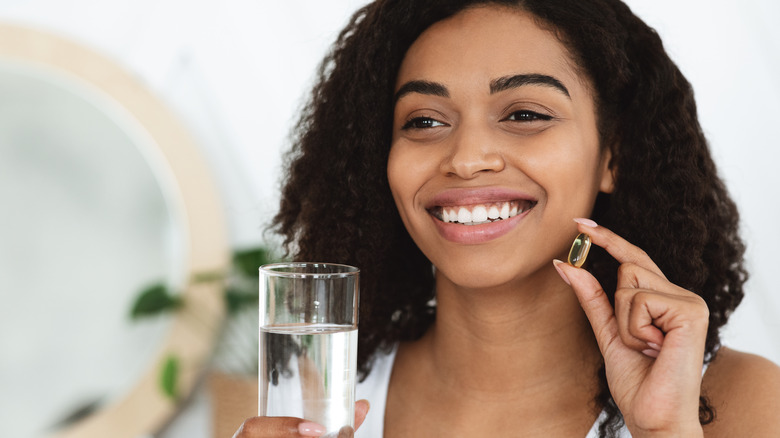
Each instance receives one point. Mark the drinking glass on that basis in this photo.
(308, 342)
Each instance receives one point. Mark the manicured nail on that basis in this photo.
(654, 346)
(586, 222)
(311, 429)
(650, 353)
(557, 262)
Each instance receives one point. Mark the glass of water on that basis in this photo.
(308, 342)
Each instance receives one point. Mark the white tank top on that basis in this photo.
(374, 389)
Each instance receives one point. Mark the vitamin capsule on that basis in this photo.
(579, 250)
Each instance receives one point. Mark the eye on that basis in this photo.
(527, 116)
(422, 123)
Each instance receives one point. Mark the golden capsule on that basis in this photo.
(579, 250)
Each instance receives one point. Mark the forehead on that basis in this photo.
(484, 43)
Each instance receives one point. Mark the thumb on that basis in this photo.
(593, 300)
(361, 410)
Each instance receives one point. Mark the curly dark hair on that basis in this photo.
(336, 203)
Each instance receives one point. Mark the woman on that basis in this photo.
(453, 150)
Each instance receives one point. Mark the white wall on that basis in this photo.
(730, 51)
(235, 71)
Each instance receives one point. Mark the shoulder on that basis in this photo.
(744, 390)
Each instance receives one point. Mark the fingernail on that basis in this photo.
(586, 222)
(557, 262)
(654, 346)
(651, 353)
(311, 429)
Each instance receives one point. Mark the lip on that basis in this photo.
(455, 197)
(476, 234)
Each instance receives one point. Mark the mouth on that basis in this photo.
(482, 213)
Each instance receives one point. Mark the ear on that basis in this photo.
(607, 169)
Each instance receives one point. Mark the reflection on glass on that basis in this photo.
(84, 225)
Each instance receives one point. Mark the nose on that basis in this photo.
(472, 153)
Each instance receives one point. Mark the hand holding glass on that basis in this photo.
(308, 342)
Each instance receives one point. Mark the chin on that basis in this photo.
(488, 274)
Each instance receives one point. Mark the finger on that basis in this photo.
(278, 427)
(639, 291)
(647, 317)
(636, 331)
(669, 313)
(631, 275)
(308, 428)
(594, 302)
(618, 247)
(361, 410)
(635, 324)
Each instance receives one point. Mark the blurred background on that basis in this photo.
(141, 142)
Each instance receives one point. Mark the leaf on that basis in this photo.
(247, 261)
(169, 377)
(236, 300)
(154, 300)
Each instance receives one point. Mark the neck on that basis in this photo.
(512, 339)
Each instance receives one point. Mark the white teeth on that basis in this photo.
(479, 214)
(464, 215)
(505, 211)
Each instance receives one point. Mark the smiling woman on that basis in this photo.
(513, 125)
(470, 143)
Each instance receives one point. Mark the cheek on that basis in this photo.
(394, 173)
(402, 177)
(568, 171)
(408, 168)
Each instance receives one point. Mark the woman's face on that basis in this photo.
(495, 148)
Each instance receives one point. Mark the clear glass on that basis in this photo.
(308, 342)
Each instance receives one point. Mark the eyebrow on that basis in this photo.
(514, 81)
(496, 85)
(422, 87)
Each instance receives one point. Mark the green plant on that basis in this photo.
(236, 350)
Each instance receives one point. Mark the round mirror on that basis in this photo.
(103, 193)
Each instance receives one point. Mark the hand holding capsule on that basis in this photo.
(652, 341)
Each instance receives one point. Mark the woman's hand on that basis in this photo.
(291, 427)
(652, 341)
